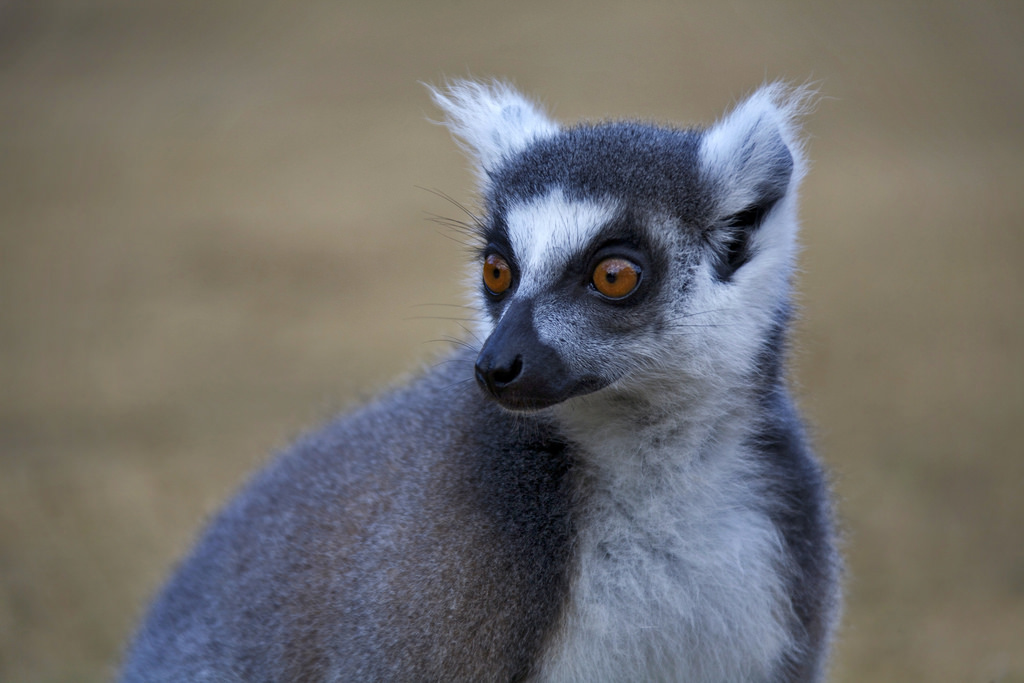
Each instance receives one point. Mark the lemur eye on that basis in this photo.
(616, 278)
(497, 274)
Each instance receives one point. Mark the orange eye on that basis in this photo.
(497, 274)
(616, 278)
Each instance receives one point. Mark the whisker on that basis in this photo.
(453, 223)
(448, 305)
(455, 359)
(438, 317)
(461, 343)
(454, 202)
(448, 361)
(700, 326)
(707, 312)
(460, 384)
(468, 233)
(470, 332)
(469, 246)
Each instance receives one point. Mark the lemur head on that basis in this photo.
(625, 258)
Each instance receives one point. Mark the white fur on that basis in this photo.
(677, 567)
(678, 564)
(547, 232)
(491, 120)
(734, 150)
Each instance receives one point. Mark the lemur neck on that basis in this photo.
(631, 436)
(672, 544)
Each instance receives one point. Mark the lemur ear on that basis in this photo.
(491, 120)
(753, 156)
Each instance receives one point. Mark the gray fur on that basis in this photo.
(625, 493)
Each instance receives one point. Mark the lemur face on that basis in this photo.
(624, 256)
(575, 291)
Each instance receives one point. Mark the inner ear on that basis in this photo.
(739, 228)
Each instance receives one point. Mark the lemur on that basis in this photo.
(614, 485)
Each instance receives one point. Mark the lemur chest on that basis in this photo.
(675, 579)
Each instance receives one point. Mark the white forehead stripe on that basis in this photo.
(546, 232)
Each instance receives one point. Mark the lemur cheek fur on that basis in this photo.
(627, 493)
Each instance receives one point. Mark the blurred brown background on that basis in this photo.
(212, 236)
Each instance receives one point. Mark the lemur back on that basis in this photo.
(615, 486)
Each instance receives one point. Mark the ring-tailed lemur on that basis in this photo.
(625, 495)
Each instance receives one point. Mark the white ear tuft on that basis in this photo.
(754, 154)
(492, 120)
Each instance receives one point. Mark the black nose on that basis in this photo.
(518, 370)
(495, 374)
